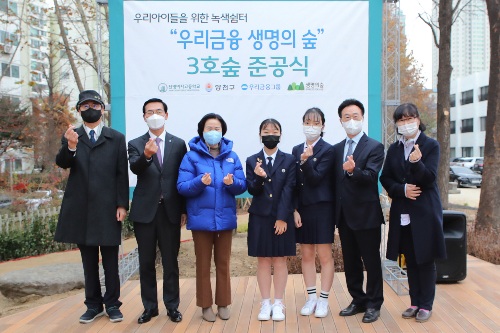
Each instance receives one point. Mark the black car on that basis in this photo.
(465, 176)
(478, 166)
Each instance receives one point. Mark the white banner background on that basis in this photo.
(155, 62)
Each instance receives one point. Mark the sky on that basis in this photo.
(419, 35)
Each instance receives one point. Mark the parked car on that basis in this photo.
(478, 166)
(467, 162)
(464, 176)
(37, 198)
(5, 201)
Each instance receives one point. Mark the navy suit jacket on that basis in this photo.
(273, 195)
(357, 196)
(426, 213)
(154, 182)
(314, 177)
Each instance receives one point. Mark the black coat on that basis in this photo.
(357, 195)
(154, 182)
(272, 196)
(426, 213)
(97, 185)
(314, 177)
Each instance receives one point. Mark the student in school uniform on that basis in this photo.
(314, 213)
(271, 233)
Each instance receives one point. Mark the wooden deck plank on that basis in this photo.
(469, 306)
(244, 317)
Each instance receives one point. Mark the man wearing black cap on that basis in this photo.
(95, 202)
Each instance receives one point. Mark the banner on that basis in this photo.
(247, 61)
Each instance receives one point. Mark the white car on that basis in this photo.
(467, 162)
(40, 197)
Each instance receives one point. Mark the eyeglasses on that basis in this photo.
(159, 112)
(406, 120)
(88, 105)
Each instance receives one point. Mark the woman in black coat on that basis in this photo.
(416, 216)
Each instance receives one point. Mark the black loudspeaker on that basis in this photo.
(454, 267)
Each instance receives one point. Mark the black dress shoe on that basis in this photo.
(174, 315)
(147, 315)
(352, 309)
(371, 315)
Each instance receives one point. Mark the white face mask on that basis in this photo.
(353, 127)
(408, 130)
(312, 132)
(155, 121)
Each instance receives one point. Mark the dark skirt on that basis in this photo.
(263, 242)
(318, 225)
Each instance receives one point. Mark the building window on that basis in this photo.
(453, 153)
(37, 77)
(482, 121)
(453, 98)
(4, 5)
(467, 125)
(8, 38)
(10, 71)
(481, 151)
(466, 151)
(483, 93)
(467, 97)
(18, 164)
(452, 127)
(37, 55)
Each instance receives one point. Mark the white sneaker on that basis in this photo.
(308, 308)
(321, 308)
(265, 311)
(278, 314)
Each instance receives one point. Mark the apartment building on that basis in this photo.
(469, 101)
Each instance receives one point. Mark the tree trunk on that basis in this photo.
(67, 47)
(445, 20)
(488, 214)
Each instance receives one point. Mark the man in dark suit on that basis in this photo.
(358, 160)
(158, 211)
(95, 202)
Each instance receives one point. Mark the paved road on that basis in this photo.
(466, 197)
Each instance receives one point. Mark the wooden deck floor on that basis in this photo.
(472, 305)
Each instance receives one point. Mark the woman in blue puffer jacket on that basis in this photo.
(210, 176)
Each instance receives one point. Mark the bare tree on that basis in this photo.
(67, 47)
(488, 214)
(447, 14)
(77, 16)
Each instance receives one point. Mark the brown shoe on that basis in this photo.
(208, 314)
(410, 313)
(423, 316)
(223, 312)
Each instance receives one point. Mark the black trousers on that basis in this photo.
(421, 277)
(362, 247)
(167, 236)
(90, 260)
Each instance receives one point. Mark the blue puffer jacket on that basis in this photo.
(212, 207)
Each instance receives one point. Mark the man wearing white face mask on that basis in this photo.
(158, 210)
(358, 214)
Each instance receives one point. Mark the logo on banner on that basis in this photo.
(162, 87)
(209, 87)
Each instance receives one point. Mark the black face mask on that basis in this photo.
(271, 141)
(91, 115)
